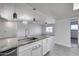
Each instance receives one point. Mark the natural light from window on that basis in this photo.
(75, 6)
(74, 27)
(49, 29)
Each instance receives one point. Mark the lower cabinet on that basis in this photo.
(27, 52)
(38, 48)
(44, 46)
(33, 49)
(48, 43)
(37, 51)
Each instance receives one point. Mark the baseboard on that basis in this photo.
(63, 45)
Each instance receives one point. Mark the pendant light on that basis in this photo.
(15, 14)
(34, 19)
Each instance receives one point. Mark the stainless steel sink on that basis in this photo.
(32, 38)
(27, 40)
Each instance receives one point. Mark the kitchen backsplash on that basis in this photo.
(28, 29)
(8, 29)
(18, 29)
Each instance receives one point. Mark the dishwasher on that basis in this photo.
(10, 52)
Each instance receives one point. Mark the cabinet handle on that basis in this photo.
(36, 47)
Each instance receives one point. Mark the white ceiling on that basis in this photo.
(47, 12)
(55, 10)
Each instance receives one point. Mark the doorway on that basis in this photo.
(74, 32)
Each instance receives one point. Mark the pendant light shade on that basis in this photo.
(14, 15)
(34, 19)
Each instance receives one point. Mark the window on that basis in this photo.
(49, 29)
(74, 27)
(75, 6)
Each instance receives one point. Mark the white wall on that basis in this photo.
(78, 31)
(31, 29)
(34, 29)
(8, 30)
(63, 32)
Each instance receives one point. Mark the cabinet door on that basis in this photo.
(33, 49)
(49, 43)
(44, 46)
(26, 52)
(37, 50)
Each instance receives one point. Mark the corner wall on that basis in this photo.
(78, 31)
(63, 32)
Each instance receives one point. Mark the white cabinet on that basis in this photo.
(44, 46)
(38, 48)
(26, 52)
(33, 49)
(49, 43)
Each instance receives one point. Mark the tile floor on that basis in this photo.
(59, 50)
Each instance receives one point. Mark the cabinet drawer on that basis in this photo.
(26, 50)
(25, 53)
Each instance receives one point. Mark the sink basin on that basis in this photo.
(27, 40)
(32, 38)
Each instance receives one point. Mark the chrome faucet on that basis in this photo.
(25, 33)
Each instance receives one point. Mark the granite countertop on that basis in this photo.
(26, 40)
(8, 43)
